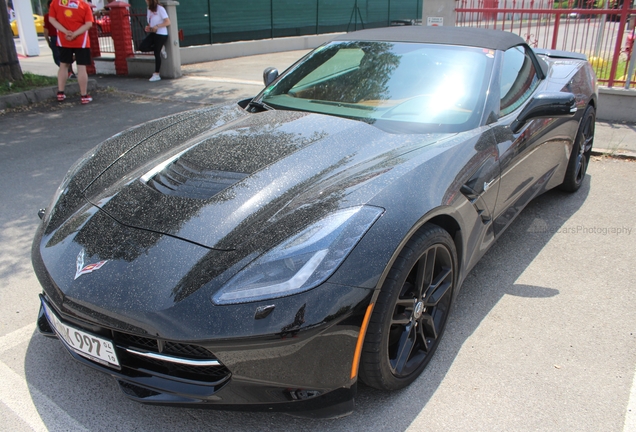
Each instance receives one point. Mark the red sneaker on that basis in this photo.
(86, 99)
(60, 96)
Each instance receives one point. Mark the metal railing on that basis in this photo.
(137, 24)
(606, 35)
(102, 22)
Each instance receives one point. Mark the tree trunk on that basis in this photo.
(10, 69)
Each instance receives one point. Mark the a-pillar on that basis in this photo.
(121, 34)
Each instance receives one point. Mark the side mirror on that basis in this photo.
(546, 105)
(269, 75)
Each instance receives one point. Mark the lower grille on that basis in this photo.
(186, 350)
(207, 374)
(176, 360)
(136, 341)
(164, 347)
(179, 351)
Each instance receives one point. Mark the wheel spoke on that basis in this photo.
(422, 333)
(406, 303)
(420, 276)
(405, 346)
(580, 168)
(428, 325)
(403, 312)
(425, 271)
(587, 144)
(400, 319)
(425, 267)
(588, 135)
(441, 286)
(431, 256)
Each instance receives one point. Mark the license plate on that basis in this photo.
(85, 344)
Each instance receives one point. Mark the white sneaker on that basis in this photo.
(155, 77)
(164, 54)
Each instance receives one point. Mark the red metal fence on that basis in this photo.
(137, 24)
(102, 22)
(605, 35)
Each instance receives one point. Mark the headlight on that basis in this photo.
(303, 261)
(62, 189)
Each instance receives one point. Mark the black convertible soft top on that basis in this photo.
(465, 36)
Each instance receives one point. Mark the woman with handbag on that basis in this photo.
(157, 30)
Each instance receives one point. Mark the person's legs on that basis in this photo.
(62, 76)
(83, 59)
(147, 45)
(82, 79)
(71, 74)
(66, 58)
(157, 58)
(160, 40)
(55, 50)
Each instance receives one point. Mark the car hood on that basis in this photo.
(156, 213)
(238, 174)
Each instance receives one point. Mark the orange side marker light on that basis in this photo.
(363, 332)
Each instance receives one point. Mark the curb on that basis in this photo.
(618, 154)
(40, 94)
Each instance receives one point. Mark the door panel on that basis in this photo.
(528, 161)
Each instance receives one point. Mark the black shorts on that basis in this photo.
(82, 55)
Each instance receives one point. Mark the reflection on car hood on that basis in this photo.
(240, 175)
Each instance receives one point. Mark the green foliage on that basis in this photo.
(602, 69)
(29, 82)
(581, 4)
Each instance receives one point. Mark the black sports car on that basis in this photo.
(267, 254)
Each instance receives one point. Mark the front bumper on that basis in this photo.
(231, 384)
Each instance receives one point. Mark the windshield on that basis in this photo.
(403, 87)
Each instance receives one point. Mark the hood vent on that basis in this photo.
(189, 180)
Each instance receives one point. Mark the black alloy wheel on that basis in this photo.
(581, 151)
(411, 311)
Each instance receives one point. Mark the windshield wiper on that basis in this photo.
(255, 107)
(344, 104)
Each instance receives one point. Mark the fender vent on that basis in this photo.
(189, 180)
(477, 202)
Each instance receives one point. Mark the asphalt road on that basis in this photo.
(542, 337)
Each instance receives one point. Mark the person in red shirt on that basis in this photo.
(50, 35)
(72, 19)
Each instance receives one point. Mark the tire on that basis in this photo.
(581, 151)
(407, 322)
